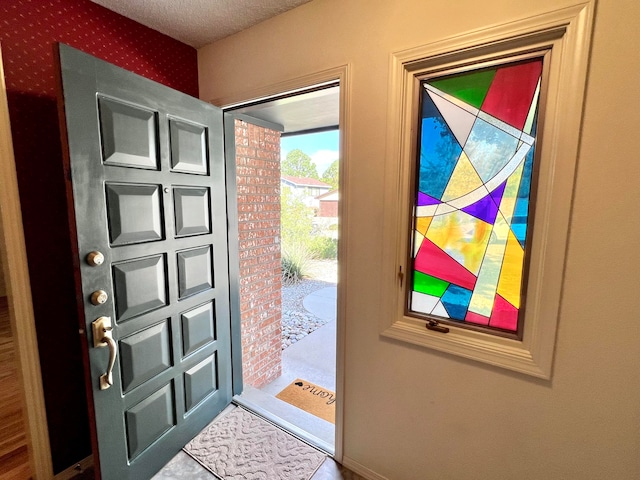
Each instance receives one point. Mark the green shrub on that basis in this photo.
(299, 243)
(324, 247)
(295, 263)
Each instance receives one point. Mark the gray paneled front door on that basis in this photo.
(148, 179)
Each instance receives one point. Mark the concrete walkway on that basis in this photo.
(322, 303)
(312, 358)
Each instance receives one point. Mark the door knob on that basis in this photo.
(99, 297)
(102, 337)
(95, 258)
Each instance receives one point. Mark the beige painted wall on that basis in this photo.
(412, 413)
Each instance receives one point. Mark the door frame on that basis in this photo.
(233, 264)
(16, 272)
(342, 75)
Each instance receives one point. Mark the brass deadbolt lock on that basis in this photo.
(95, 259)
(99, 297)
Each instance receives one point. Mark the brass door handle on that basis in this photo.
(102, 337)
(106, 380)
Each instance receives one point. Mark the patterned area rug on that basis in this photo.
(242, 446)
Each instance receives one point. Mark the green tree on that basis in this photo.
(299, 164)
(331, 174)
(296, 219)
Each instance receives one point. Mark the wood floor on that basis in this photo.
(14, 460)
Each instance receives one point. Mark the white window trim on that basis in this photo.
(566, 33)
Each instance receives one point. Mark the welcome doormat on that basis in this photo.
(242, 446)
(311, 398)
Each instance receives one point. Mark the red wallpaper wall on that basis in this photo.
(28, 30)
(29, 27)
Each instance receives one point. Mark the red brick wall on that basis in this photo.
(258, 177)
(328, 208)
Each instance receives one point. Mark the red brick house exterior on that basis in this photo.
(258, 184)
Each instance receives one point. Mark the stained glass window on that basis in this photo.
(472, 192)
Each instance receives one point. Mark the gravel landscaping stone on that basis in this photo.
(297, 322)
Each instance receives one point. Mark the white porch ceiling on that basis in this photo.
(313, 110)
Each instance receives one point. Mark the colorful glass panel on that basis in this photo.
(440, 154)
(471, 88)
(456, 301)
(430, 285)
(473, 186)
(511, 93)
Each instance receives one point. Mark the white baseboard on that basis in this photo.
(75, 469)
(361, 469)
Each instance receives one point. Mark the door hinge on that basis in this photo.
(400, 276)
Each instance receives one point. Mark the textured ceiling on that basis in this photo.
(199, 22)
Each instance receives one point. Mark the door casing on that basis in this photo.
(341, 75)
(16, 272)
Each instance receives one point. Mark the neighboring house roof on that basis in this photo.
(332, 196)
(304, 182)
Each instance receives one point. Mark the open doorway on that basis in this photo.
(289, 322)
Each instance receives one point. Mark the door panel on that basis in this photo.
(191, 207)
(188, 147)
(135, 213)
(148, 183)
(129, 134)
